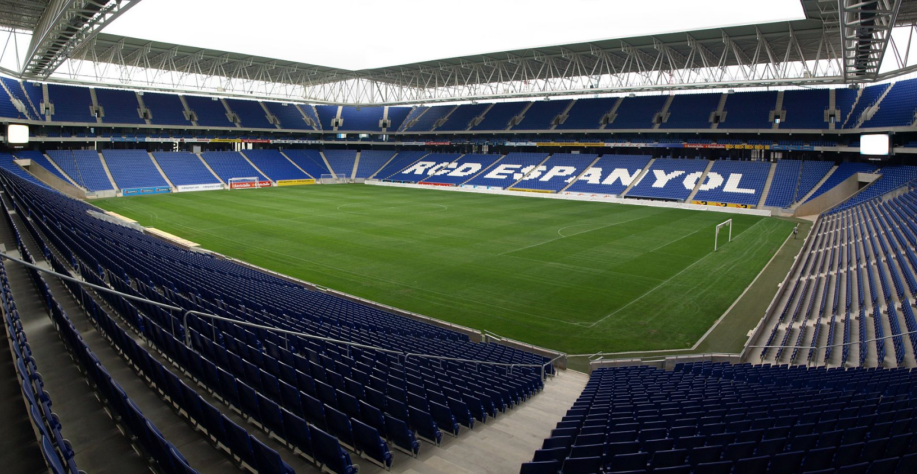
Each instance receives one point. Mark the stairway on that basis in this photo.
(257, 169)
(571, 183)
(534, 168)
(356, 164)
(640, 176)
(111, 178)
(700, 182)
(97, 443)
(161, 172)
(814, 188)
(330, 169)
(664, 111)
(207, 165)
(767, 185)
(297, 166)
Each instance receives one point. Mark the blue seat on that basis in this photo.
(859, 468)
(297, 433)
(249, 399)
(818, 459)
(425, 427)
(51, 458)
(401, 436)
(553, 454)
(461, 412)
(212, 421)
(339, 425)
(372, 416)
(628, 462)
(239, 443)
(329, 454)
(370, 444)
(787, 462)
(271, 416)
(752, 465)
(721, 467)
(540, 467)
(443, 418)
(179, 463)
(348, 404)
(314, 410)
(669, 458)
(269, 462)
(886, 466)
(582, 465)
(704, 454)
(289, 396)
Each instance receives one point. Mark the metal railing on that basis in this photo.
(187, 332)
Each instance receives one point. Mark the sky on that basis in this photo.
(367, 34)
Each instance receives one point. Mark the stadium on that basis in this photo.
(304, 237)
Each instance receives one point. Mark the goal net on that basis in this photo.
(244, 183)
(333, 179)
(716, 238)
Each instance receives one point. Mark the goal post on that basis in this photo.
(244, 183)
(332, 179)
(716, 238)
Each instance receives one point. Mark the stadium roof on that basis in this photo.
(841, 41)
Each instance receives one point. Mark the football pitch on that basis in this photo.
(578, 277)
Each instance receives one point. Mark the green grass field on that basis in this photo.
(573, 276)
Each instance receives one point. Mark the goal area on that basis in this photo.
(244, 183)
(716, 238)
(333, 179)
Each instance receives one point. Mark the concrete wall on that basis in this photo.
(834, 196)
(50, 179)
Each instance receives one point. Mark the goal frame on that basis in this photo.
(332, 179)
(716, 237)
(252, 179)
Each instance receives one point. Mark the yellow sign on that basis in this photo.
(295, 182)
(723, 204)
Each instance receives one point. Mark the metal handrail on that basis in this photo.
(836, 345)
(260, 326)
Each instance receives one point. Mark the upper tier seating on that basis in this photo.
(844, 171)
(463, 169)
(310, 112)
(461, 118)
(896, 109)
(184, 169)
(341, 161)
(734, 182)
(361, 119)
(512, 168)
(309, 160)
(868, 97)
(84, 166)
(397, 115)
(783, 187)
(637, 112)
(749, 110)
(412, 115)
(559, 171)
(586, 114)
(691, 110)
(7, 109)
(612, 174)
(274, 165)
(843, 102)
(40, 159)
(325, 114)
(230, 164)
(250, 113)
(717, 418)
(165, 109)
(210, 111)
(805, 109)
(34, 93)
(16, 90)
(431, 164)
(540, 115)
(426, 121)
(669, 179)
(498, 117)
(119, 106)
(71, 103)
(289, 115)
(371, 161)
(401, 161)
(133, 169)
